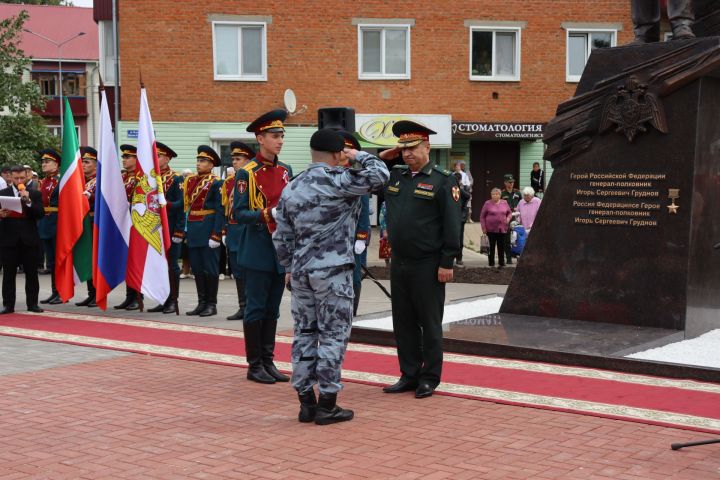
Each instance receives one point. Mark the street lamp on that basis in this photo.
(59, 50)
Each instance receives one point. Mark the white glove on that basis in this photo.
(224, 240)
(213, 244)
(176, 240)
(274, 212)
(359, 247)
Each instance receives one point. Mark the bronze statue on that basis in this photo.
(646, 20)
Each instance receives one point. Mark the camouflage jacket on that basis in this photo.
(318, 213)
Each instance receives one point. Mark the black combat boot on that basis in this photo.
(90, 297)
(308, 405)
(328, 411)
(129, 294)
(157, 308)
(92, 294)
(171, 304)
(357, 289)
(134, 300)
(256, 371)
(213, 283)
(268, 350)
(201, 286)
(240, 314)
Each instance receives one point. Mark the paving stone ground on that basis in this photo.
(142, 417)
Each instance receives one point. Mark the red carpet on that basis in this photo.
(683, 404)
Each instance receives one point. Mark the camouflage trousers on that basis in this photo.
(322, 308)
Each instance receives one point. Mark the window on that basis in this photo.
(71, 85)
(383, 52)
(495, 54)
(48, 83)
(579, 46)
(107, 52)
(55, 130)
(239, 51)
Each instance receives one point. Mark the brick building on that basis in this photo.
(485, 74)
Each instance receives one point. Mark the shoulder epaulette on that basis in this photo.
(249, 167)
(400, 167)
(442, 170)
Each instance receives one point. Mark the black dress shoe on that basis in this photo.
(157, 309)
(47, 300)
(92, 303)
(124, 304)
(257, 373)
(239, 315)
(424, 390)
(56, 301)
(402, 385)
(84, 303)
(200, 307)
(7, 310)
(272, 370)
(171, 307)
(35, 309)
(134, 305)
(209, 311)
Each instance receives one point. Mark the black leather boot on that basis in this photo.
(201, 286)
(53, 292)
(171, 305)
(210, 309)
(90, 297)
(92, 294)
(328, 411)
(134, 300)
(308, 404)
(129, 293)
(253, 338)
(268, 350)
(240, 314)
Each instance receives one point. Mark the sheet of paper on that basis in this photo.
(11, 203)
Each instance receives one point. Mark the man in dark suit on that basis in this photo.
(20, 242)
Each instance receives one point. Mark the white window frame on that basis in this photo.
(383, 27)
(494, 30)
(240, 77)
(56, 128)
(588, 31)
(103, 63)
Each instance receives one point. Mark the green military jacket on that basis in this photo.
(512, 198)
(423, 214)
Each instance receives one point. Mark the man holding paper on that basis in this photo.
(19, 240)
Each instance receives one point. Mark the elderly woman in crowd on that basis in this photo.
(528, 208)
(494, 219)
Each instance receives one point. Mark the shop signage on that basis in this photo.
(498, 130)
(375, 130)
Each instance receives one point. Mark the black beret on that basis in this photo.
(327, 140)
(163, 149)
(207, 153)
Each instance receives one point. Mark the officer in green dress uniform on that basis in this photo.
(512, 196)
(89, 163)
(172, 187)
(47, 226)
(423, 222)
(241, 154)
(205, 220)
(129, 160)
(257, 193)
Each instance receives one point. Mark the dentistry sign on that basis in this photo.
(375, 130)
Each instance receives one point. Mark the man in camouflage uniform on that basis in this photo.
(423, 222)
(47, 226)
(172, 187)
(316, 221)
(129, 160)
(512, 196)
(89, 164)
(241, 155)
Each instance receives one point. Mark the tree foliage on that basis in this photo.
(22, 132)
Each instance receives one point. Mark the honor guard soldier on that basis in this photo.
(172, 187)
(89, 164)
(47, 226)
(129, 161)
(423, 222)
(241, 155)
(205, 220)
(316, 223)
(257, 192)
(362, 232)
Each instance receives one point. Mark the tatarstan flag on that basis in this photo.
(73, 251)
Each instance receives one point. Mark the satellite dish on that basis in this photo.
(290, 101)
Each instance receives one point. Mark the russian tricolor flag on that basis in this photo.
(111, 229)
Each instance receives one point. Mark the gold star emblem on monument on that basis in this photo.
(673, 194)
(673, 208)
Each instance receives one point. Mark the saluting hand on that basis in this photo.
(445, 275)
(390, 154)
